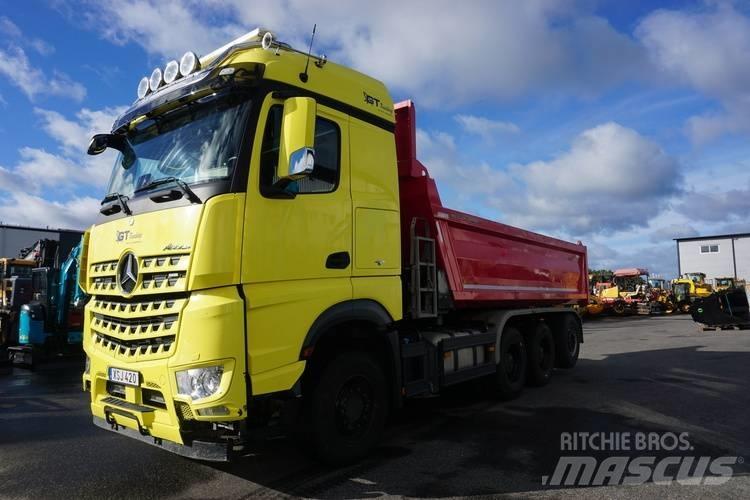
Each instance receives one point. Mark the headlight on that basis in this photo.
(88, 365)
(199, 383)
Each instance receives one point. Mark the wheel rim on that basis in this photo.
(512, 360)
(354, 407)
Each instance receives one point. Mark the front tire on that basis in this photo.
(541, 355)
(346, 409)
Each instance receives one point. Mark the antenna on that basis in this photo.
(303, 75)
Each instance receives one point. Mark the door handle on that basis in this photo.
(338, 260)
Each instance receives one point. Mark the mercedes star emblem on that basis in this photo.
(127, 273)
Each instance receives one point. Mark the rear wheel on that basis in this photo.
(345, 410)
(541, 348)
(567, 343)
(511, 369)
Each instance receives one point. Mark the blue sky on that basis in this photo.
(620, 124)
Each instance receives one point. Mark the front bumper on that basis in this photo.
(201, 450)
(211, 333)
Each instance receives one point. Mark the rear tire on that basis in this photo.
(346, 409)
(511, 370)
(568, 343)
(541, 349)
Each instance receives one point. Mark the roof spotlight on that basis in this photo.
(189, 63)
(155, 80)
(171, 72)
(266, 41)
(143, 87)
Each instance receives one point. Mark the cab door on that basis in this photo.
(297, 248)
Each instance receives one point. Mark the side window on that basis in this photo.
(325, 175)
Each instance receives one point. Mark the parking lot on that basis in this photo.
(641, 374)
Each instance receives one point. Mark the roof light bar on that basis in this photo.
(190, 63)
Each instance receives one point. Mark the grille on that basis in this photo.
(148, 325)
(184, 411)
(157, 345)
(156, 274)
(137, 329)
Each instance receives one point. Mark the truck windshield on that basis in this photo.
(196, 143)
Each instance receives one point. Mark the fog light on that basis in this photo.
(199, 383)
(214, 411)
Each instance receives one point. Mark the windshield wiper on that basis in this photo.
(115, 202)
(171, 180)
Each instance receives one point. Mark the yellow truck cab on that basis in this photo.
(247, 263)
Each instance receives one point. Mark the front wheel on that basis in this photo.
(346, 409)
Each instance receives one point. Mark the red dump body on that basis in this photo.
(487, 264)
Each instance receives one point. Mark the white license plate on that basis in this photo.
(124, 376)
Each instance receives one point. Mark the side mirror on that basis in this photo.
(100, 142)
(296, 153)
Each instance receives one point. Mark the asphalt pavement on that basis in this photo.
(657, 376)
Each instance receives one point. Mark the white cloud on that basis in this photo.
(10, 30)
(707, 49)
(438, 152)
(484, 127)
(443, 53)
(16, 67)
(40, 175)
(672, 231)
(611, 179)
(729, 206)
(26, 209)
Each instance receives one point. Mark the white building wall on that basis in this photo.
(742, 252)
(712, 264)
(716, 265)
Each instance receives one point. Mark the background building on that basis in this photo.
(14, 238)
(726, 255)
